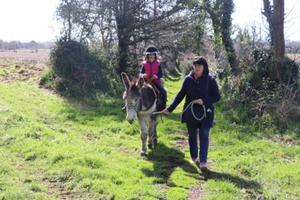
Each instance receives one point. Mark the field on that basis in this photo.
(57, 148)
(295, 57)
(22, 64)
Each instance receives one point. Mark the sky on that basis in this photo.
(26, 20)
(248, 13)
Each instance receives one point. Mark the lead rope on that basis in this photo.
(193, 113)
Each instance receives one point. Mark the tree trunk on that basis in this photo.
(275, 19)
(268, 13)
(123, 57)
(278, 36)
(220, 14)
(69, 33)
(226, 24)
(230, 52)
(122, 21)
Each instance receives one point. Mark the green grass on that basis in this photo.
(51, 147)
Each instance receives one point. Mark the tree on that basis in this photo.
(275, 18)
(129, 22)
(79, 17)
(220, 12)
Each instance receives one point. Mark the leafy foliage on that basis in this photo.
(78, 71)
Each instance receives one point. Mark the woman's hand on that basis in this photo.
(165, 112)
(199, 101)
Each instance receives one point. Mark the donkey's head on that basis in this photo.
(132, 96)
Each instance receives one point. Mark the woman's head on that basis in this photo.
(151, 54)
(200, 67)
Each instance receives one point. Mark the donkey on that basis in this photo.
(141, 102)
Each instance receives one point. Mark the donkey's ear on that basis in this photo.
(140, 82)
(125, 80)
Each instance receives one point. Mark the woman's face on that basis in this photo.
(198, 70)
(151, 57)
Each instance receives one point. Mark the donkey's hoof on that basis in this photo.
(150, 146)
(143, 153)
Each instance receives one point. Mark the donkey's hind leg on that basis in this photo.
(152, 142)
(144, 123)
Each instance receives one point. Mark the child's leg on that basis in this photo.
(163, 92)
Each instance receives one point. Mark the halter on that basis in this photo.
(136, 107)
(139, 105)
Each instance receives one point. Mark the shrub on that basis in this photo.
(48, 79)
(253, 89)
(78, 70)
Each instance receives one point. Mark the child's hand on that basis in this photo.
(145, 76)
(151, 79)
(155, 77)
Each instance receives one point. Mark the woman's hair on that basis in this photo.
(202, 61)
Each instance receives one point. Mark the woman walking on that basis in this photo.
(199, 88)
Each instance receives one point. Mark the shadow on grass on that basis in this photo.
(238, 181)
(165, 160)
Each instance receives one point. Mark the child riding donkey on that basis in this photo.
(141, 99)
(151, 72)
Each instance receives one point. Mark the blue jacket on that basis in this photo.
(194, 89)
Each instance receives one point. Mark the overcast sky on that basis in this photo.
(27, 20)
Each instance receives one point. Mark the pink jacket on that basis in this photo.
(152, 69)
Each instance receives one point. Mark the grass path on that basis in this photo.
(52, 148)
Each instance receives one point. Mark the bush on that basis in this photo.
(48, 79)
(263, 62)
(76, 69)
(266, 101)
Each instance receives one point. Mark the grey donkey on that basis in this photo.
(141, 102)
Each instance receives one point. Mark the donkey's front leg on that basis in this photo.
(152, 141)
(144, 124)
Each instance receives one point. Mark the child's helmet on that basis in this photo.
(151, 50)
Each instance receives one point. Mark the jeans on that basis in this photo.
(163, 93)
(203, 133)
